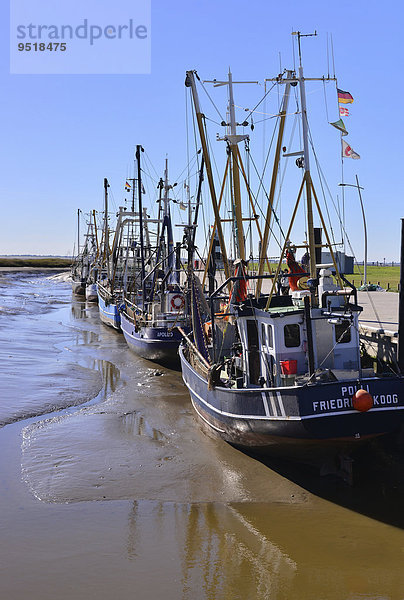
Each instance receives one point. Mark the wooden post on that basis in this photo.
(400, 346)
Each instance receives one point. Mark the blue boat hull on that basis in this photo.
(159, 344)
(109, 313)
(311, 415)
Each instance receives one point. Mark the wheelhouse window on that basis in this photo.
(292, 335)
(267, 336)
(343, 332)
(253, 351)
(252, 334)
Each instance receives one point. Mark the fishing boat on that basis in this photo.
(153, 304)
(93, 269)
(78, 283)
(84, 261)
(274, 372)
(107, 291)
(116, 263)
(91, 290)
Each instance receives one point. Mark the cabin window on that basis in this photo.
(252, 335)
(253, 351)
(292, 335)
(343, 332)
(267, 336)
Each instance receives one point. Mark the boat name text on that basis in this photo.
(346, 402)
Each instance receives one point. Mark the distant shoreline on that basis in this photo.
(35, 264)
(33, 269)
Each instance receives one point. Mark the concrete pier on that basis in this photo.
(380, 310)
(379, 324)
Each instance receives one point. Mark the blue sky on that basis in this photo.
(62, 134)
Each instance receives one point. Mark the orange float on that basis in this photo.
(362, 400)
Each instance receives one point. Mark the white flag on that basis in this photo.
(347, 151)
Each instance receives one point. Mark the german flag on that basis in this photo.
(344, 97)
(127, 187)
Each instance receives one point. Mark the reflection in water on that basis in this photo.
(79, 310)
(110, 375)
(234, 556)
(135, 424)
(86, 338)
(261, 551)
(217, 549)
(133, 541)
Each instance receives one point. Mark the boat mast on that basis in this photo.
(166, 188)
(307, 176)
(190, 82)
(106, 237)
(160, 189)
(95, 232)
(78, 232)
(139, 182)
(275, 171)
(198, 202)
(192, 223)
(169, 259)
(233, 140)
(133, 192)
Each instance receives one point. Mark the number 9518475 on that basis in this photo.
(42, 47)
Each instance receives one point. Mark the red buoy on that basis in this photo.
(362, 401)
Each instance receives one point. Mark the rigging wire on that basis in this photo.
(256, 205)
(278, 200)
(264, 130)
(196, 146)
(187, 167)
(321, 176)
(261, 185)
(273, 117)
(262, 99)
(213, 121)
(208, 95)
(151, 163)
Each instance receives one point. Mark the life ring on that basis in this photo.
(302, 283)
(177, 302)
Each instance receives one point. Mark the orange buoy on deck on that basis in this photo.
(362, 400)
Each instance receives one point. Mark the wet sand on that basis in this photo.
(125, 496)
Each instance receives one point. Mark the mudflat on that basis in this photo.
(112, 489)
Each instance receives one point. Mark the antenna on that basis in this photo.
(328, 58)
(332, 54)
(300, 35)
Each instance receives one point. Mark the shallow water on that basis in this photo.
(109, 488)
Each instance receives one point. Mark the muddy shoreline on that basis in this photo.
(126, 496)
